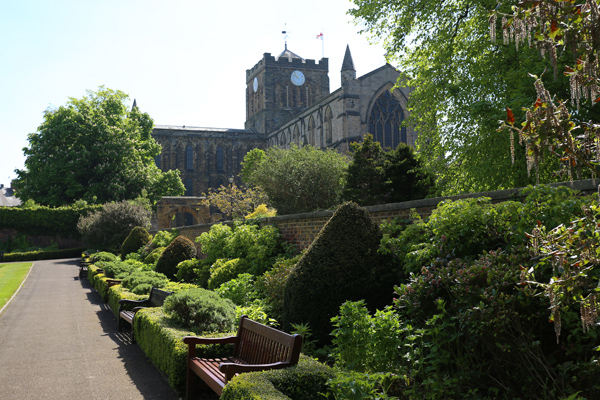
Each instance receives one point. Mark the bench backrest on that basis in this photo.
(157, 297)
(261, 344)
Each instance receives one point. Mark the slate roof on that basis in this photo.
(8, 199)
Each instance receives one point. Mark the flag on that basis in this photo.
(320, 36)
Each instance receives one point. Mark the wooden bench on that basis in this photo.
(256, 348)
(156, 299)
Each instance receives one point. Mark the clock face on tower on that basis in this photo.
(297, 78)
(255, 84)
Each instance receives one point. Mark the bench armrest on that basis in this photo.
(231, 369)
(192, 341)
(138, 303)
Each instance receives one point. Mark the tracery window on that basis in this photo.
(328, 126)
(311, 131)
(219, 159)
(189, 187)
(385, 121)
(189, 158)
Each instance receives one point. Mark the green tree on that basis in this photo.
(377, 177)
(251, 161)
(96, 149)
(462, 83)
(235, 201)
(301, 179)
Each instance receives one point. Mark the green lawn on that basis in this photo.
(11, 276)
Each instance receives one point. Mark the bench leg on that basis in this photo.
(191, 384)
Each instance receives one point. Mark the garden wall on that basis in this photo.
(301, 229)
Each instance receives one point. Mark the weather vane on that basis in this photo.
(285, 34)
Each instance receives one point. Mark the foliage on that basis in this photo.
(140, 282)
(258, 247)
(153, 257)
(225, 270)
(240, 291)
(45, 221)
(233, 200)
(262, 211)
(301, 382)
(138, 238)
(272, 283)
(42, 255)
(250, 163)
(201, 310)
(301, 179)
(160, 340)
(549, 124)
(461, 83)
(103, 256)
(341, 264)
(377, 177)
(351, 385)
(116, 269)
(96, 149)
(570, 255)
(365, 342)
(180, 249)
(107, 228)
(186, 270)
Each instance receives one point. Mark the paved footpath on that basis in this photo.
(58, 340)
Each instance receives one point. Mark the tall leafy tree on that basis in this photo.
(462, 83)
(96, 149)
(378, 177)
(300, 179)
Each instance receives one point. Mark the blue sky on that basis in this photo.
(184, 61)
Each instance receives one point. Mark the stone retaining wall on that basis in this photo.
(301, 229)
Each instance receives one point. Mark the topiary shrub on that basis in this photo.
(341, 264)
(201, 310)
(153, 257)
(225, 270)
(138, 237)
(179, 250)
(103, 256)
(116, 269)
(193, 271)
(140, 282)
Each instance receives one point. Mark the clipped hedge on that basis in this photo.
(43, 255)
(45, 221)
(302, 382)
(162, 342)
(138, 238)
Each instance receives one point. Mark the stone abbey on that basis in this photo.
(288, 100)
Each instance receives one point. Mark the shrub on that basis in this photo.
(116, 269)
(226, 270)
(160, 340)
(140, 282)
(138, 237)
(160, 240)
(178, 250)
(42, 255)
(153, 257)
(240, 291)
(272, 284)
(304, 381)
(108, 228)
(187, 270)
(103, 256)
(201, 310)
(341, 264)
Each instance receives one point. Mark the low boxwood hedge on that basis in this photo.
(43, 255)
(163, 344)
(302, 382)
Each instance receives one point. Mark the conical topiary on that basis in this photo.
(341, 264)
(138, 237)
(180, 249)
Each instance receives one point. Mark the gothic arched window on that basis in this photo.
(157, 161)
(328, 126)
(189, 158)
(189, 187)
(311, 131)
(296, 136)
(219, 158)
(385, 121)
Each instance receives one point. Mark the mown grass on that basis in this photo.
(11, 276)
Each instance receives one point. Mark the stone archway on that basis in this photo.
(168, 207)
